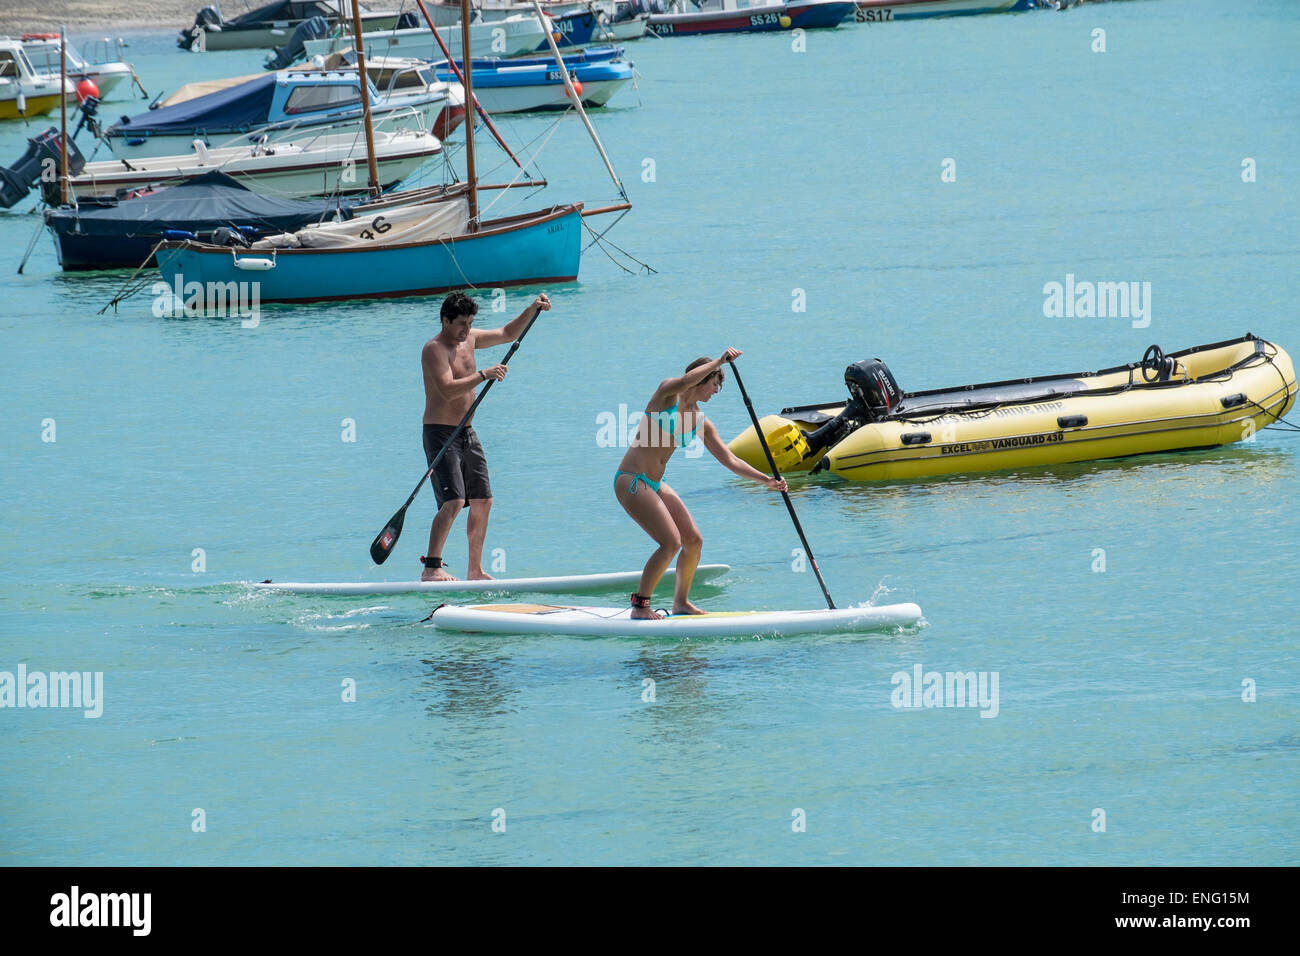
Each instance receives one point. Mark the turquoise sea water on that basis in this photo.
(773, 171)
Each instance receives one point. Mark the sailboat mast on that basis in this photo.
(359, 45)
(478, 107)
(63, 115)
(577, 102)
(468, 60)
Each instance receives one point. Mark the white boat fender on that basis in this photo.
(253, 263)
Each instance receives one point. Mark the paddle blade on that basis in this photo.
(383, 545)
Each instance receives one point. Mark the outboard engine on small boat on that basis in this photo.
(311, 29)
(207, 18)
(235, 238)
(26, 172)
(89, 117)
(873, 394)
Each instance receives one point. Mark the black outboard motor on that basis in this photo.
(225, 236)
(872, 384)
(208, 17)
(42, 154)
(311, 29)
(89, 117)
(873, 395)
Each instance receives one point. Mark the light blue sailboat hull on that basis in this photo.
(533, 248)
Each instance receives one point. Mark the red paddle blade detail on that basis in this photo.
(382, 546)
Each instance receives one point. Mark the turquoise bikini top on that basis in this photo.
(668, 420)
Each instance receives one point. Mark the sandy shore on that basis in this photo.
(110, 16)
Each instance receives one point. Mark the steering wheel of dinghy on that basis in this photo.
(1153, 363)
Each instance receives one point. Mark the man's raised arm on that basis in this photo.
(487, 338)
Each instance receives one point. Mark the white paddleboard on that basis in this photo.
(565, 584)
(566, 619)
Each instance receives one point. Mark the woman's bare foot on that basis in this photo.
(645, 614)
(687, 608)
(480, 576)
(437, 574)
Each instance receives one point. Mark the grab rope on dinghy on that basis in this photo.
(1286, 392)
(1277, 419)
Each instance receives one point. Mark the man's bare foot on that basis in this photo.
(480, 576)
(437, 574)
(687, 608)
(645, 614)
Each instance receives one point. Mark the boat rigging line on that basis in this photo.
(469, 107)
(31, 245)
(600, 240)
(577, 102)
(130, 287)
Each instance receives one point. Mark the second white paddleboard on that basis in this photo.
(562, 584)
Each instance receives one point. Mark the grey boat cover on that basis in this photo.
(211, 201)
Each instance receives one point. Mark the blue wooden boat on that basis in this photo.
(534, 248)
(404, 251)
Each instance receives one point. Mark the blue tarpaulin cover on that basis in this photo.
(239, 108)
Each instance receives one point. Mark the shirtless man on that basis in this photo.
(450, 381)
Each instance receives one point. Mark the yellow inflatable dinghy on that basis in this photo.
(1198, 398)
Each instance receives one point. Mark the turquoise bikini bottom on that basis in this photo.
(637, 476)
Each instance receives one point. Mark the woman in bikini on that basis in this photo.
(672, 420)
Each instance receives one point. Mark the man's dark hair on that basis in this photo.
(456, 305)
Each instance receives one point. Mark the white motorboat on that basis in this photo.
(326, 164)
(23, 91)
(108, 76)
(281, 106)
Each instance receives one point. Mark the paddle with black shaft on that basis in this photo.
(777, 474)
(383, 545)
